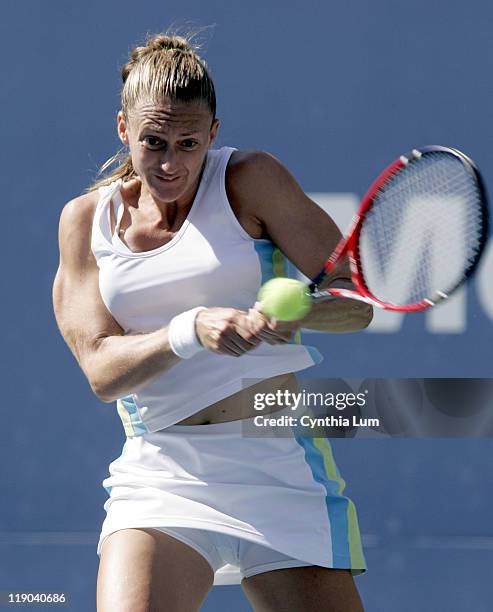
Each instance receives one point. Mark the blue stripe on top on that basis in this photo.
(129, 414)
(266, 252)
(273, 263)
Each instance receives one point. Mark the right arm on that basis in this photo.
(114, 364)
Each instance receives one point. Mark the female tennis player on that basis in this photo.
(155, 294)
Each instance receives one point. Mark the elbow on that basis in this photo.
(99, 384)
(363, 315)
(101, 391)
(357, 316)
(96, 374)
(102, 394)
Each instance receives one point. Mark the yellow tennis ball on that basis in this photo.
(285, 299)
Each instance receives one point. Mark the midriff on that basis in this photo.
(241, 404)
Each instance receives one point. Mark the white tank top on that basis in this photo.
(211, 261)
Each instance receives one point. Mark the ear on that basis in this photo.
(213, 132)
(122, 128)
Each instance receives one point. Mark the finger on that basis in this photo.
(224, 350)
(272, 338)
(245, 344)
(132, 186)
(255, 314)
(251, 342)
(256, 321)
(230, 348)
(257, 307)
(248, 336)
(233, 344)
(262, 327)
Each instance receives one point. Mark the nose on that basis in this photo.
(169, 163)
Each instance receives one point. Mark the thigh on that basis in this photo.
(303, 589)
(144, 570)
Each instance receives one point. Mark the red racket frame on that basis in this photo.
(348, 245)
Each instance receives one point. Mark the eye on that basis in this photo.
(153, 142)
(189, 143)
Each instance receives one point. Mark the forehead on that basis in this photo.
(170, 115)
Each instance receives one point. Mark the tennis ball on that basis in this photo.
(285, 299)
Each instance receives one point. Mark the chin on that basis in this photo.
(168, 190)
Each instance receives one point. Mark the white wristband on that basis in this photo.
(182, 337)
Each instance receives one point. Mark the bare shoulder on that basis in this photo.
(251, 159)
(75, 225)
(80, 210)
(252, 179)
(258, 176)
(247, 166)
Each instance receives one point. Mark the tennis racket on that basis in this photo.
(418, 235)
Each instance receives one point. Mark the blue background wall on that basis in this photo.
(334, 89)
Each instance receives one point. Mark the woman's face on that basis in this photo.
(168, 142)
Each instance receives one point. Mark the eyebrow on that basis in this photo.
(162, 134)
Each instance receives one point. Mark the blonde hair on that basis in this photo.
(168, 66)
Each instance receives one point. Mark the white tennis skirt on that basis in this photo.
(284, 493)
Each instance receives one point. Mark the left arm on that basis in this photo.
(303, 232)
(338, 314)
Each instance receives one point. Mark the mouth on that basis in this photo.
(168, 180)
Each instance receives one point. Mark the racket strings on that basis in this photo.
(423, 231)
(392, 187)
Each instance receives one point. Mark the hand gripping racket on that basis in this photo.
(418, 235)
